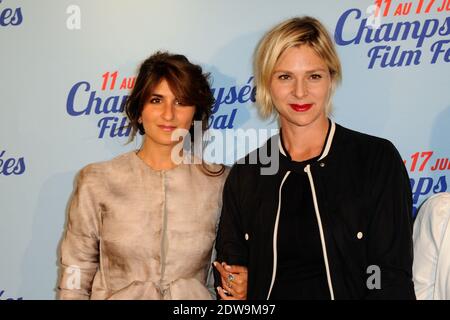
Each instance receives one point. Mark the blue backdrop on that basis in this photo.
(67, 66)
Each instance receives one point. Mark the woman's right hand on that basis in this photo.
(234, 281)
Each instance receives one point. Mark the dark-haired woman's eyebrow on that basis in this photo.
(156, 95)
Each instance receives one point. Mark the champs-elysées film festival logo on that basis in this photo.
(84, 99)
(10, 17)
(11, 165)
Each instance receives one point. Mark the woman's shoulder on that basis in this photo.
(436, 207)
(106, 167)
(367, 144)
(432, 220)
(343, 133)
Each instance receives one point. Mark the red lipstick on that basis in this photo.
(301, 107)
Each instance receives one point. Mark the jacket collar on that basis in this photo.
(327, 144)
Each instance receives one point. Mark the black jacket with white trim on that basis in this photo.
(363, 206)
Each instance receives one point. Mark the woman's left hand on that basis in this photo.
(234, 281)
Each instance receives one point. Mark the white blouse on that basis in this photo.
(431, 267)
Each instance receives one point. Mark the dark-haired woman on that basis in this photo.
(142, 226)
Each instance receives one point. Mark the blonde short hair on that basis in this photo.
(291, 33)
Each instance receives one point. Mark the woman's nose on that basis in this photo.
(300, 89)
(168, 111)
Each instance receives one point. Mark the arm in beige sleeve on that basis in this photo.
(80, 246)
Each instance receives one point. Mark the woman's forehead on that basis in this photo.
(300, 58)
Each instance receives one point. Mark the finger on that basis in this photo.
(227, 285)
(236, 277)
(235, 291)
(235, 268)
(230, 288)
(223, 279)
(223, 295)
(220, 268)
(238, 287)
(239, 280)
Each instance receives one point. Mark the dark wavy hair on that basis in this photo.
(188, 83)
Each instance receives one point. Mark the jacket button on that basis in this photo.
(246, 236)
(322, 164)
(359, 235)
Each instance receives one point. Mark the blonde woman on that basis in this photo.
(334, 221)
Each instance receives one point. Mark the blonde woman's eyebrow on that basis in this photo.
(317, 70)
(308, 71)
(282, 71)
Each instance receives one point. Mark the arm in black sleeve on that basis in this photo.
(230, 243)
(390, 245)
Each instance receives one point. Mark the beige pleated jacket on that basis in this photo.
(137, 233)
